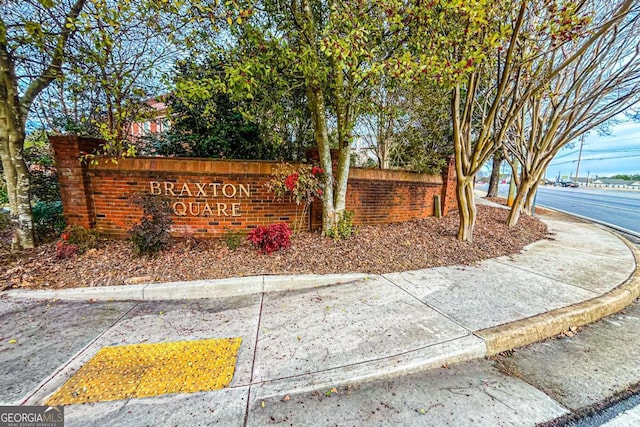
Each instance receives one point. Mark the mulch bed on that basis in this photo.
(379, 249)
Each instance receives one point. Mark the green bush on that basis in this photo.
(345, 228)
(4, 196)
(46, 204)
(44, 186)
(151, 235)
(48, 220)
(207, 122)
(81, 237)
(233, 239)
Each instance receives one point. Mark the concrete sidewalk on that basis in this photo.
(314, 337)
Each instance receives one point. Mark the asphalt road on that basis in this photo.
(616, 207)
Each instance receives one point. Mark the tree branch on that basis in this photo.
(53, 69)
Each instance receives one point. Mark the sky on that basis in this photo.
(602, 155)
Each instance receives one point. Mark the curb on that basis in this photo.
(547, 325)
(473, 345)
(459, 350)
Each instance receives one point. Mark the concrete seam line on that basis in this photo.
(60, 369)
(546, 325)
(449, 318)
(255, 353)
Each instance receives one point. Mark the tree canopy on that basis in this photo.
(34, 37)
(268, 78)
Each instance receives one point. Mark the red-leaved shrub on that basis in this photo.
(65, 250)
(272, 238)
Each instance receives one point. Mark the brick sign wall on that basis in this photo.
(210, 197)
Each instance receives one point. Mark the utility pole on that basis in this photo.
(579, 157)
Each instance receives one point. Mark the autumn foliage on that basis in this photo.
(272, 238)
(299, 183)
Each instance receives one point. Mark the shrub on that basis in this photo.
(301, 183)
(43, 181)
(44, 186)
(48, 220)
(4, 196)
(65, 250)
(232, 239)
(345, 228)
(151, 235)
(44, 189)
(81, 237)
(190, 242)
(272, 238)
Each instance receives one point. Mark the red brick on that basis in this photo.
(376, 196)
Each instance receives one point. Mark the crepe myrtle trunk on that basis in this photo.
(466, 208)
(464, 170)
(494, 180)
(525, 194)
(531, 197)
(523, 202)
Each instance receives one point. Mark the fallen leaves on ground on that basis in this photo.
(569, 333)
(379, 249)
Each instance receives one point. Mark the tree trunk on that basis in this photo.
(342, 177)
(466, 208)
(7, 167)
(383, 145)
(12, 135)
(524, 189)
(464, 180)
(344, 125)
(24, 233)
(15, 103)
(383, 158)
(516, 209)
(530, 199)
(318, 114)
(495, 175)
(16, 176)
(333, 201)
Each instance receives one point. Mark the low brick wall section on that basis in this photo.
(210, 197)
(382, 196)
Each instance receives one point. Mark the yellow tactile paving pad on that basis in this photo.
(144, 370)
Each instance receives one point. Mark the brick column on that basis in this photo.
(449, 196)
(75, 186)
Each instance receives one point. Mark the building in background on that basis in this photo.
(157, 122)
